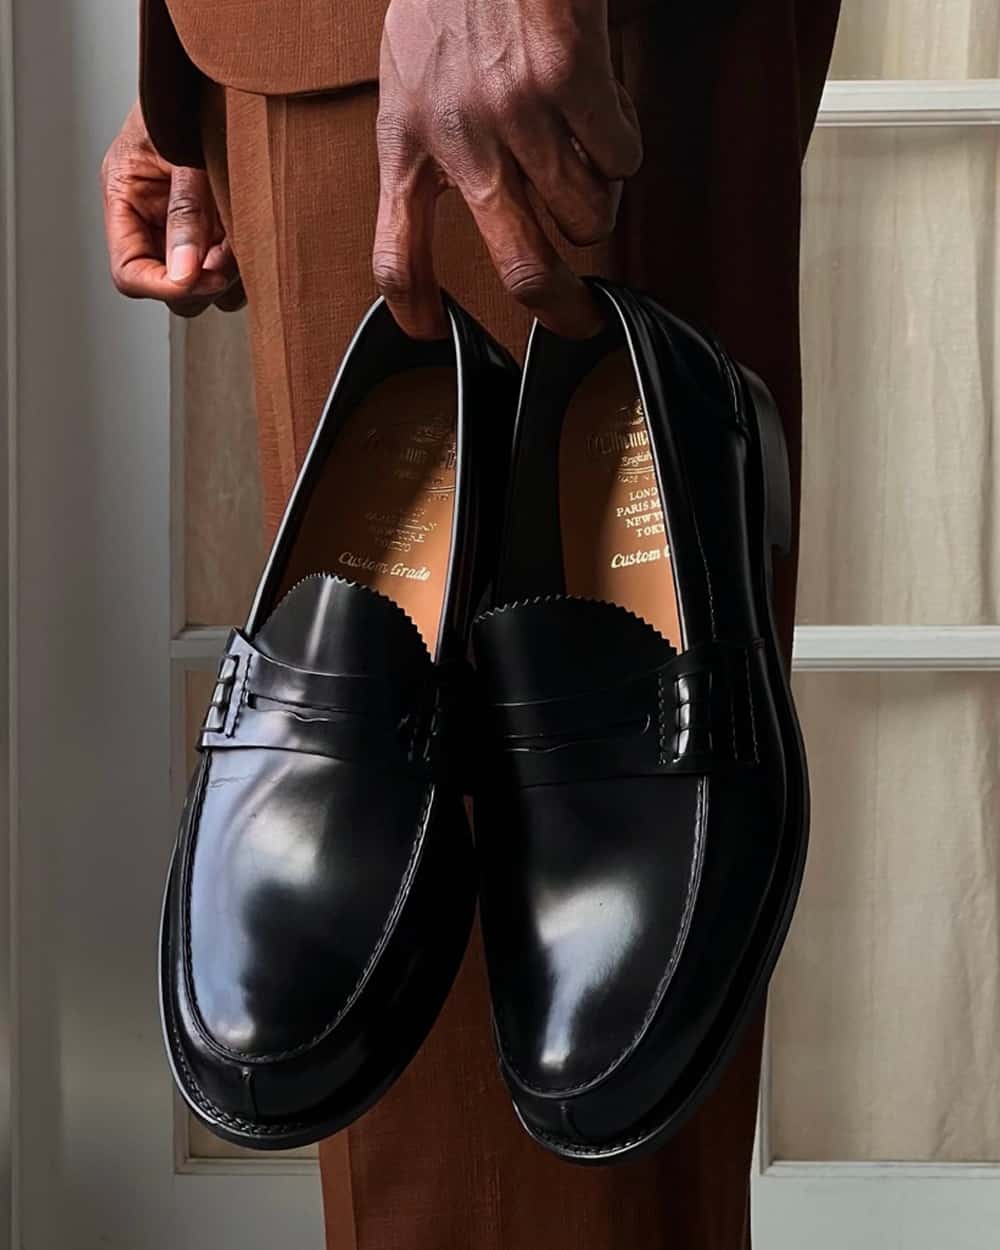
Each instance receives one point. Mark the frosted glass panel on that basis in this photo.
(885, 1010)
(901, 258)
(918, 39)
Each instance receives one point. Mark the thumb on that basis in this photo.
(190, 212)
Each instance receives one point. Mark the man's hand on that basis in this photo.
(488, 96)
(165, 239)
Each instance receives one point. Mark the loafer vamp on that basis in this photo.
(290, 893)
(586, 918)
(592, 868)
(301, 890)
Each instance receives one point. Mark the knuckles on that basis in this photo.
(126, 154)
(121, 285)
(115, 181)
(125, 285)
(628, 157)
(392, 131)
(393, 276)
(454, 124)
(530, 281)
(415, 305)
(117, 171)
(556, 75)
(185, 207)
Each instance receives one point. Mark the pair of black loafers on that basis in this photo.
(627, 731)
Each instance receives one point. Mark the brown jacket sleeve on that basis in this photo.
(169, 87)
(269, 47)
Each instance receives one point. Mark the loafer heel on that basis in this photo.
(774, 450)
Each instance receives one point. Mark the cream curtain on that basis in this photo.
(885, 1013)
(901, 259)
(918, 39)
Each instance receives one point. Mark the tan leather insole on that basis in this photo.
(381, 512)
(613, 534)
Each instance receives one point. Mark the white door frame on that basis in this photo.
(889, 1205)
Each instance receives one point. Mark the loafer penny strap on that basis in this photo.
(259, 702)
(692, 714)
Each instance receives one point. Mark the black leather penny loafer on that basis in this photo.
(323, 883)
(642, 819)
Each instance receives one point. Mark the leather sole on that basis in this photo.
(770, 517)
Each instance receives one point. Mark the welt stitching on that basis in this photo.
(657, 1000)
(211, 1108)
(591, 1151)
(327, 1029)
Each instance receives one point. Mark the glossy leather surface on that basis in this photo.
(323, 884)
(643, 813)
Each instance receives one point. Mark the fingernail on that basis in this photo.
(183, 263)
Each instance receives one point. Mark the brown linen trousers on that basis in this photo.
(278, 98)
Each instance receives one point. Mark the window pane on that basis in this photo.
(899, 291)
(885, 1010)
(198, 685)
(918, 39)
(223, 533)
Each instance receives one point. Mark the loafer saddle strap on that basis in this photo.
(692, 714)
(260, 702)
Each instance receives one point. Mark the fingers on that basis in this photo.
(233, 299)
(403, 254)
(137, 265)
(604, 121)
(530, 268)
(190, 223)
(165, 240)
(220, 259)
(139, 272)
(583, 205)
(136, 251)
(552, 115)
